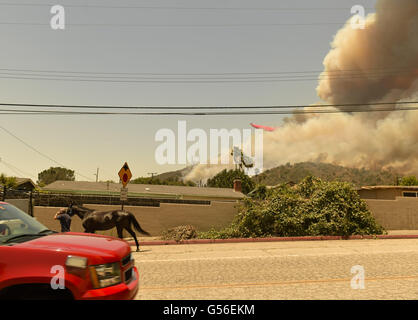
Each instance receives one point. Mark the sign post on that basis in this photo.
(125, 176)
(124, 194)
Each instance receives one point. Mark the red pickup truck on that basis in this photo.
(37, 263)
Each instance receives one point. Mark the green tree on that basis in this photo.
(54, 174)
(7, 183)
(409, 181)
(225, 179)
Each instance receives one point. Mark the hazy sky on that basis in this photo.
(147, 40)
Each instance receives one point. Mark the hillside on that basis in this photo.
(296, 173)
(174, 178)
(326, 171)
(178, 174)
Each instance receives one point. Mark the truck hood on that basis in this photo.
(99, 249)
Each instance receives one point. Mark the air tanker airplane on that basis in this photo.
(265, 128)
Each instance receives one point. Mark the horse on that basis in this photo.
(104, 220)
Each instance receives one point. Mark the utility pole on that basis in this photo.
(152, 174)
(97, 175)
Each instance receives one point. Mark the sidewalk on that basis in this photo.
(402, 232)
(156, 241)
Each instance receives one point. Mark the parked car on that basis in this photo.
(37, 263)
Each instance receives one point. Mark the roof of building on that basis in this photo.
(24, 180)
(388, 187)
(143, 189)
(20, 181)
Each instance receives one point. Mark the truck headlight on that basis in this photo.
(76, 262)
(105, 275)
(76, 265)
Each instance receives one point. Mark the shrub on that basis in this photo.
(311, 208)
(409, 181)
(180, 233)
(226, 233)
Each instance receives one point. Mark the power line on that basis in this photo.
(127, 25)
(202, 113)
(363, 71)
(15, 169)
(9, 167)
(56, 75)
(339, 105)
(101, 6)
(176, 78)
(191, 80)
(37, 151)
(210, 113)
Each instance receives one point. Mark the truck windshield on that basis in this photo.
(14, 222)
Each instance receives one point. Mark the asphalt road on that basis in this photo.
(280, 270)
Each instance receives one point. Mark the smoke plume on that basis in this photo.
(371, 65)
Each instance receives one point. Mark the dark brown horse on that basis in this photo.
(105, 220)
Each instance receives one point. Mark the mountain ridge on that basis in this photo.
(294, 173)
(326, 171)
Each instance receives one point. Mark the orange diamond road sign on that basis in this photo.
(125, 174)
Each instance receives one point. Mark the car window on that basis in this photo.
(14, 221)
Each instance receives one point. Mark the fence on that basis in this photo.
(26, 200)
(19, 198)
(64, 200)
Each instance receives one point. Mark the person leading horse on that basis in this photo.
(104, 220)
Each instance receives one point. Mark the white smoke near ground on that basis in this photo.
(371, 65)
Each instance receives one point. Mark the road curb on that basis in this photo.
(272, 239)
